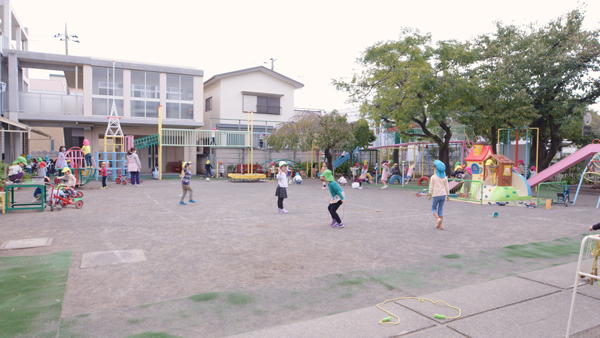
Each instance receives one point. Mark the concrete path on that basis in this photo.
(533, 304)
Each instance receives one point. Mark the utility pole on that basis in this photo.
(66, 37)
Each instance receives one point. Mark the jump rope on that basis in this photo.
(387, 320)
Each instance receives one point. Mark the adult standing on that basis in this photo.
(133, 166)
(439, 190)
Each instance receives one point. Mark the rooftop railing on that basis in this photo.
(50, 103)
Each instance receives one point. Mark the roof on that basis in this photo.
(25, 127)
(265, 70)
(503, 159)
(485, 152)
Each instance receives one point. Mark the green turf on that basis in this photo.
(31, 294)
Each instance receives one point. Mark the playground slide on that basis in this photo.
(564, 164)
(343, 159)
(520, 184)
(452, 184)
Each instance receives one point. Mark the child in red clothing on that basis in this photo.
(104, 174)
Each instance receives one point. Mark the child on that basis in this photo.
(272, 170)
(323, 168)
(104, 174)
(384, 174)
(15, 171)
(87, 151)
(282, 184)
(61, 159)
(298, 179)
(438, 189)
(337, 198)
(43, 171)
(69, 181)
(409, 173)
(342, 180)
(208, 169)
(185, 183)
(354, 171)
(221, 169)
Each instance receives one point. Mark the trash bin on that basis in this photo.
(548, 204)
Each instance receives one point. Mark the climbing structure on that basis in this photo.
(76, 161)
(591, 173)
(113, 137)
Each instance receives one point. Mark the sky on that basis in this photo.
(313, 42)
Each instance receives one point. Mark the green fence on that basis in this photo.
(467, 190)
(550, 190)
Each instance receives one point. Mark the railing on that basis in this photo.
(467, 190)
(50, 103)
(201, 138)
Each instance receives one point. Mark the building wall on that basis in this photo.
(258, 82)
(41, 143)
(213, 90)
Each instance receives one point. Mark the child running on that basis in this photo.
(104, 174)
(337, 198)
(323, 168)
(282, 184)
(186, 176)
(438, 189)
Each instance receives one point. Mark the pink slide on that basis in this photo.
(564, 164)
(452, 184)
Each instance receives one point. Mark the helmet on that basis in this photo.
(86, 142)
(65, 170)
(282, 163)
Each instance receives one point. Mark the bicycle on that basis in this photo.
(564, 197)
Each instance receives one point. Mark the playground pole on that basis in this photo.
(249, 142)
(159, 143)
(517, 149)
(252, 141)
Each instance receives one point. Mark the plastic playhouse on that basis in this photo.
(499, 181)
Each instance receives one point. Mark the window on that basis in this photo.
(145, 94)
(267, 105)
(102, 90)
(208, 104)
(262, 103)
(180, 96)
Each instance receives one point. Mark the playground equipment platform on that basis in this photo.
(247, 177)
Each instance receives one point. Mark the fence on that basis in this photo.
(550, 190)
(50, 103)
(467, 190)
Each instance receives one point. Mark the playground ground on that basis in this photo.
(230, 264)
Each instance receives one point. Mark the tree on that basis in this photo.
(551, 76)
(363, 137)
(412, 81)
(327, 132)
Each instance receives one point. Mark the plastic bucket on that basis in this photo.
(548, 204)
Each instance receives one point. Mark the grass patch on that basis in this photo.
(239, 298)
(452, 256)
(333, 313)
(455, 266)
(291, 307)
(541, 250)
(347, 295)
(152, 334)
(32, 290)
(203, 297)
(134, 321)
(356, 281)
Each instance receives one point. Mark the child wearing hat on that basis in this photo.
(15, 171)
(70, 181)
(87, 152)
(103, 173)
(337, 198)
(221, 169)
(282, 184)
(207, 169)
(186, 176)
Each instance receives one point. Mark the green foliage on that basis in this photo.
(363, 135)
(412, 81)
(305, 130)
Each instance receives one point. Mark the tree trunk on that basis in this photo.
(329, 158)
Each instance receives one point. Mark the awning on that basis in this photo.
(25, 127)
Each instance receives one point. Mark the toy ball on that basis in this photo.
(495, 214)
(207, 179)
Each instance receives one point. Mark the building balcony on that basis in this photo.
(50, 103)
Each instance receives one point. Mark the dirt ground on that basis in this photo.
(233, 245)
